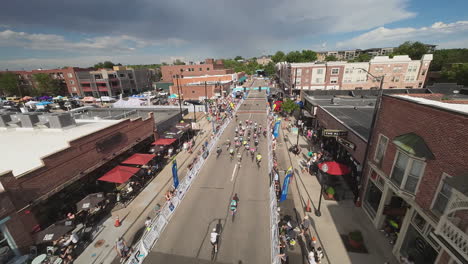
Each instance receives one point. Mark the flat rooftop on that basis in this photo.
(358, 119)
(23, 149)
(159, 115)
(461, 108)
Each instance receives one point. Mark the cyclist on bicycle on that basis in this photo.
(256, 142)
(233, 206)
(214, 239)
(259, 158)
(231, 152)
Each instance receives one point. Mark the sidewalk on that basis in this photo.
(337, 218)
(101, 249)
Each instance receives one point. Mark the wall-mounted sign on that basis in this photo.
(334, 133)
(346, 143)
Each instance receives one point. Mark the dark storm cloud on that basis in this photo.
(221, 26)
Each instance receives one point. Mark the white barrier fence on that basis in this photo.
(159, 223)
(274, 232)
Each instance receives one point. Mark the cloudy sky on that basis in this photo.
(56, 33)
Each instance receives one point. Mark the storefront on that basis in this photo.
(417, 243)
(8, 248)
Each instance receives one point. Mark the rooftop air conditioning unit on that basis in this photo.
(24, 120)
(57, 121)
(5, 118)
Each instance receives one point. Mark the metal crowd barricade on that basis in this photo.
(159, 223)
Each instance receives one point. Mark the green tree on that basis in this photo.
(178, 62)
(331, 58)
(446, 57)
(308, 56)
(46, 85)
(270, 68)
(456, 73)
(294, 56)
(106, 65)
(414, 50)
(289, 106)
(278, 57)
(238, 58)
(364, 57)
(9, 84)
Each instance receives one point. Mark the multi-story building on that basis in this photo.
(67, 79)
(193, 88)
(398, 72)
(352, 54)
(415, 178)
(210, 67)
(264, 60)
(111, 82)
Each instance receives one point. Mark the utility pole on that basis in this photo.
(206, 99)
(180, 95)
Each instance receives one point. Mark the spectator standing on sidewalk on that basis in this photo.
(305, 225)
(148, 223)
(311, 257)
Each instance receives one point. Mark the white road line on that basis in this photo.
(250, 116)
(233, 173)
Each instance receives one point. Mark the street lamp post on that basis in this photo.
(180, 94)
(206, 99)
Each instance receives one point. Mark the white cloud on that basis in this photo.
(9, 38)
(85, 61)
(443, 34)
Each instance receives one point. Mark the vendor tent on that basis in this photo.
(139, 159)
(119, 174)
(164, 141)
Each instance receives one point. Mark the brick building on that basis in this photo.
(415, 180)
(112, 82)
(46, 167)
(210, 67)
(198, 91)
(399, 72)
(67, 78)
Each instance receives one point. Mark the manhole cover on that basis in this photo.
(99, 243)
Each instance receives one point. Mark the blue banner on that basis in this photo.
(174, 174)
(276, 129)
(287, 179)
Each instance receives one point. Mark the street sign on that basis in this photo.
(334, 133)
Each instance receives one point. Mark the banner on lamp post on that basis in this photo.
(174, 174)
(287, 179)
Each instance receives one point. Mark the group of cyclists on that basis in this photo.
(247, 136)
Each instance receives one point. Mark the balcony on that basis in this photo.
(450, 229)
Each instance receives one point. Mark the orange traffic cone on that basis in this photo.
(308, 209)
(117, 222)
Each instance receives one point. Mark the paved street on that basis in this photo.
(244, 240)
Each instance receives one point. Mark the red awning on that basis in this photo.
(164, 141)
(334, 168)
(139, 159)
(119, 174)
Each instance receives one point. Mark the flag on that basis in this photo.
(174, 174)
(287, 179)
(276, 129)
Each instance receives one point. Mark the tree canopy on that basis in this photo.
(289, 106)
(9, 84)
(301, 56)
(238, 58)
(46, 85)
(446, 57)
(331, 58)
(278, 57)
(457, 73)
(414, 50)
(178, 62)
(106, 65)
(364, 57)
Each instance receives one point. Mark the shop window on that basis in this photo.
(419, 222)
(416, 247)
(442, 198)
(406, 172)
(380, 151)
(7, 252)
(372, 198)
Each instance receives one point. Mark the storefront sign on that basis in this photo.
(346, 143)
(334, 133)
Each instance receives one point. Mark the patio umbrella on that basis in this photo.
(27, 98)
(54, 231)
(334, 168)
(90, 201)
(44, 103)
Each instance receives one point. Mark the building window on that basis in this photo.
(397, 69)
(372, 198)
(379, 69)
(335, 71)
(193, 91)
(406, 172)
(307, 71)
(348, 70)
(423, 72)
(73, 89)
(381, 148)
(334, 80)
(201, 69)
(409, 87)
(319, 71)
(442, 198)
(396, 79)
(70, 75)
(122, 75)
(318, 80)
(347, 80)
(207, 69)
(98, 76)
(72, 82)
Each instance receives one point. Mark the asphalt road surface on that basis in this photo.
(244, 239)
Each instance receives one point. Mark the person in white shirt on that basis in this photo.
(214, 239)
(311, 258)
